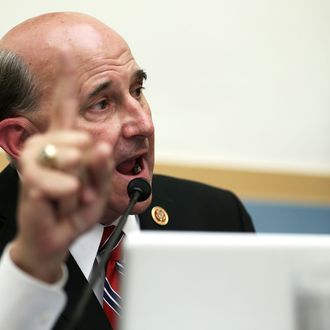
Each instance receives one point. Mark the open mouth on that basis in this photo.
(131, 167)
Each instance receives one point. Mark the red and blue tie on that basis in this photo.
(113, 271)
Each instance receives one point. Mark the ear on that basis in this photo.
(13, 133)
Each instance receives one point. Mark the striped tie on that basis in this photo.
(113, 269)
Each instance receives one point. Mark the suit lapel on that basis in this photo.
(93, 316)
(159, 199)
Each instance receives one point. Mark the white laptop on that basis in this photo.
(178, 280)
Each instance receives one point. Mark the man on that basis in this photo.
(74, 120)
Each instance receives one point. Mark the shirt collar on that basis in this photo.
(84, 249)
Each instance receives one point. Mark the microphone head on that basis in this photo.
(141, 186)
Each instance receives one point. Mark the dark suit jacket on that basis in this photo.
(191, 206)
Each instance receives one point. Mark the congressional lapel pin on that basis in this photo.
(159, 215)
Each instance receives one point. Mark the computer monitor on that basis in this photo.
(181, 280)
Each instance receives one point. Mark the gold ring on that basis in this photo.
(47, 156)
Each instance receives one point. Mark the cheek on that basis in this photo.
(108, 132)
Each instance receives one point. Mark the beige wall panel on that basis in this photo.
(257, 184)
(3, 160)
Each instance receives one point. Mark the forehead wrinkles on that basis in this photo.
(98, 67)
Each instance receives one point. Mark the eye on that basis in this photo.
(137, 92)
(101, 105)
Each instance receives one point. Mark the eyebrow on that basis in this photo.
(105, 85)
(139, 75)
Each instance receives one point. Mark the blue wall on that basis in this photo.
(271, 217)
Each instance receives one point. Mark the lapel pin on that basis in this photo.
(159, 215)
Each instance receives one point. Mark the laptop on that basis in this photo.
(181, 280)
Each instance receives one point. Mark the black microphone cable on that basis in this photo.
(138, 190)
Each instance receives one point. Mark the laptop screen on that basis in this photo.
(179, 280)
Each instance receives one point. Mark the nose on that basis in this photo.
(138, 121)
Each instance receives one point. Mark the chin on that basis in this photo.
(140, 207)
(117, 204)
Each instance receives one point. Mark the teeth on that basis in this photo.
(137, 169)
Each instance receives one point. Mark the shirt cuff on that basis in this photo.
(26, 302)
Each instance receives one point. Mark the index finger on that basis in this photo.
(64, 110)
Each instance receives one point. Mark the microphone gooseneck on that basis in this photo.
(138, 190)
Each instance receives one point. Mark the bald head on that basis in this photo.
(39, 41)
(56, 30)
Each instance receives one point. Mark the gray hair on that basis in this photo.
(18, 89)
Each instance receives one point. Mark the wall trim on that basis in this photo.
(260, 185)
(3, 160)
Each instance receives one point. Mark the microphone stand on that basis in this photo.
(136, 194)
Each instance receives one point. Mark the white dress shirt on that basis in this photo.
(85, 248)
(29, 304)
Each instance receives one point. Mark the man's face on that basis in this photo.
(112, 107)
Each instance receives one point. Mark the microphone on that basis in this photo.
(141, 187)
(138, 190)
